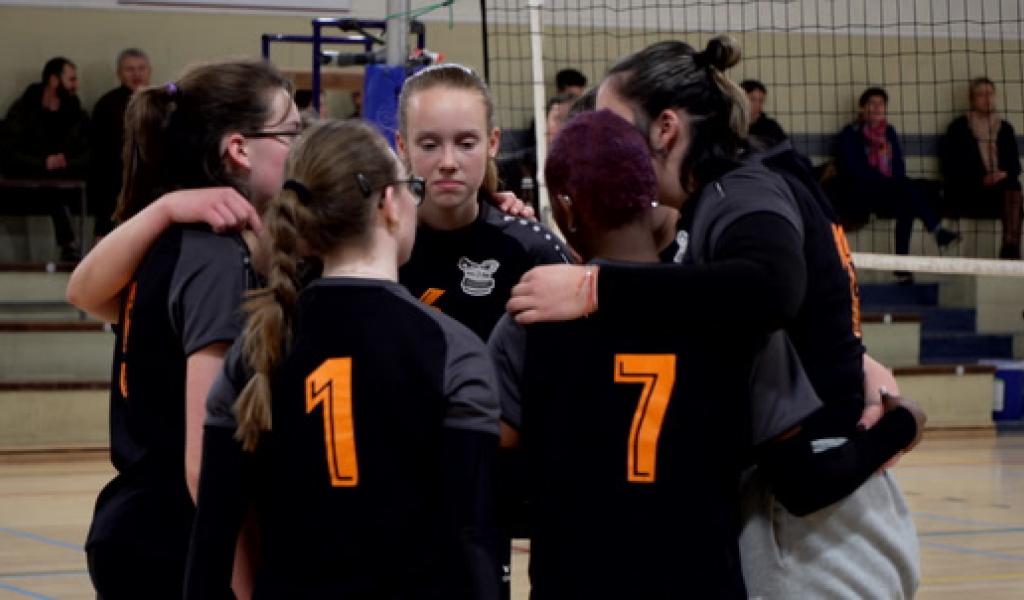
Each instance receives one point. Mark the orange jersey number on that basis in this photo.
(330, 386)
(657, 373)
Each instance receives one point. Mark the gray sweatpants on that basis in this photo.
(864, 546)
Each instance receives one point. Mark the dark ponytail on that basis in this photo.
(673, 75)
(173, 132)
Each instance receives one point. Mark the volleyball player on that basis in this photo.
(634, 428)
(384, 411)
(468, 255)
(756, 258)
(222, 124)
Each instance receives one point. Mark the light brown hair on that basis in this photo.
(456, 77)
(323, 205)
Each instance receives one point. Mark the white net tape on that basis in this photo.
(933, 264)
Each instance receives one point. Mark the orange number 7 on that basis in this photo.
(330, 385)
(657, 373)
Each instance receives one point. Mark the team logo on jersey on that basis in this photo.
(683, 241)
(478, 278)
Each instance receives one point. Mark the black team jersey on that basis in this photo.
(376, 477)
(468, 273)
(183, 297)
(634, 433)
(826, 327)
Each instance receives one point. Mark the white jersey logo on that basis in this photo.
(683, 241)
(478, 278)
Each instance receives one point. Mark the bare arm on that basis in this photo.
(203, 367)
(97, 281)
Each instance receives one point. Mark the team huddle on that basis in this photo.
(375, 370)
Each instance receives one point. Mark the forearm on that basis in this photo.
(471, 561)
(756, 281)
(805, 481)
(97, 281)
(219, 514)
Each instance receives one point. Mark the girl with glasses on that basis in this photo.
(370, 419)
(178, 314)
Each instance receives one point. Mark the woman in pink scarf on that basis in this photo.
(872, 176)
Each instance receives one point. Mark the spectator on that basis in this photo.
(557, 114)
(304, 102)
(570, 81)
(872, 176)
(107, 136)
(45, 138)
(763, 128)
(981, 165)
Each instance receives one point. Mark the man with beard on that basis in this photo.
(107, 136)
(45, 138)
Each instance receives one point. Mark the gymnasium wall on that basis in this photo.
(92, 33)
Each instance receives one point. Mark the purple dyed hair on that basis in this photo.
(603, 164)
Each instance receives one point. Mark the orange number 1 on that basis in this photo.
(330, 385)
(657, 373)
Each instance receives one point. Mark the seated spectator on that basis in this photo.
(570, 81)
(763, 129)
(872, 176)
(107, 136)
(981, 165)
(45, 138)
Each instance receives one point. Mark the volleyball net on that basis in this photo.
(815, 58)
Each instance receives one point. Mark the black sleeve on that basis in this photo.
(220, 509)
(1008, 149)
(472, 569)
(756, 281)
(805, 480)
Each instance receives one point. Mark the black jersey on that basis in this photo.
(634, 434)
(468, 273)
(826, 327)
(184, 297)
(359, 465)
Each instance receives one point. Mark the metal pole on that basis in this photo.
(397, 35)
(315, 84)
(486, 44)
(539, 118)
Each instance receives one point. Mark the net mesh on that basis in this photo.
(815, 58)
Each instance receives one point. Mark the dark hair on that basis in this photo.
(569, 78)
(673, 75)
(870, 93)
(749, 85)
(978, 82)
(303, 99)
(585, 103)
(578, 167)
(130, 53)
(55, 67)
(558, 100)
(458, 77)
(173, 132)
(323, 205)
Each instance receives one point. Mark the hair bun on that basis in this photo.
(722, 52)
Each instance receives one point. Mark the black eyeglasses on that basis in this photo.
(417, 185)
(291, 134)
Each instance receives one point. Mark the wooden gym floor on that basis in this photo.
(967, 495)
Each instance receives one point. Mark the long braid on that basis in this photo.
(331, 211)
(270, 314)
